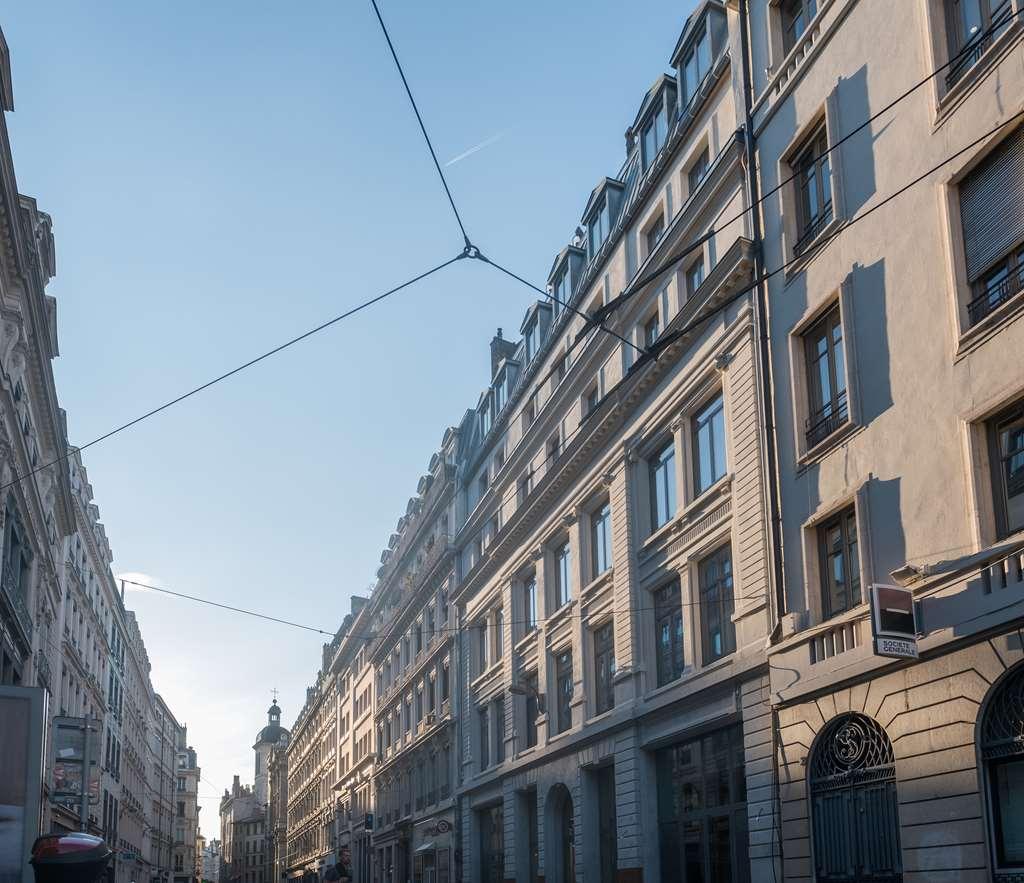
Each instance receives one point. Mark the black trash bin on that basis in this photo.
(70, 858)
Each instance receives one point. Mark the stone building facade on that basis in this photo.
(186, 811)
(412, 657)
(899, 388)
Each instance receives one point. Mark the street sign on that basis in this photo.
(893, 621)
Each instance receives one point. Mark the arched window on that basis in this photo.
(855, 821)
(1001, 738)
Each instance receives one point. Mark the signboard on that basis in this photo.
(893, 621)
(22, 731)
(68, 762)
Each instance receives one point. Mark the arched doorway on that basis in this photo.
(560, 863)
(852, 780)
(1001, 744)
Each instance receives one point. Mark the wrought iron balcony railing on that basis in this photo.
(975, 47)
(823, 423)
(995, 295)
(12, 592)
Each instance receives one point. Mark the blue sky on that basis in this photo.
(224, 176)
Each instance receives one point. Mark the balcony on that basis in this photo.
(11, 592)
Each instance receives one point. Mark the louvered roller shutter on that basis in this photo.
(992, 205)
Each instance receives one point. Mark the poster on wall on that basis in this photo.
(69, 761)
(22, 718)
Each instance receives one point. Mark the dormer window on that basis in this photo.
(599, 227)
(561, 291)
(696, 64)
(532, 340)
(654, 133)
(485, 418)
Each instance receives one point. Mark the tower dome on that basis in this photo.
(272, 732)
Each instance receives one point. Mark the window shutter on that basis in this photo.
(992, 205)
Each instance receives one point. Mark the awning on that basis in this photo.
(426, 847)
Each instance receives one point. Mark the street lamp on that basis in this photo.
(518, 688)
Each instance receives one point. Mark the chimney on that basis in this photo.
(500, 349)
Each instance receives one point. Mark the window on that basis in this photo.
(967, 26)
(1006, 445)
(483, 647)
(796, 15)
(840, 571)
(708, 445)
(601, 540)
(598, 227)
(499, 634)
(523, 487)
(485, 736)
(668, 625)
(718, 632)
(554, 446)
(485, 417)
(1004, 770)
(592, 399)
(531, 685)
(992, 218)
(529, 412)
(702, 809)
(651, 329)
(532, 340)
(694, 276)
(696, 64)
(563, 574)
(814, 189)
(654, 233)
(563, 689)
(698, 170)
(604, 668)
(500, 395)
(445, 682)
(654, 132)
(530, 604)
(662, 478)
(499, 729)
(561, 290)
(826, 377)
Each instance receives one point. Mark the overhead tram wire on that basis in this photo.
(633, 288)
(233, 371)
(668, 339)
(423, 128)
(369, 636)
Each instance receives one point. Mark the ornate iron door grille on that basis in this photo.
(853, 804)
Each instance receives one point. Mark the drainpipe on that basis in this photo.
(766, 398)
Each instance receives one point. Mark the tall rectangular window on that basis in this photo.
(563, 691)
(696, 64)
(796, 15)
(840, 568)
(654, 132)
(662, 481)
(708, 445)
(530, 604)
(971, 26)
(668, 625)
(484, 728)
(499, 634)
(499, 729)
(563, 574)
(992, 219)
(531, 683)
(601, 540)
(718, 632)
(826, 377)
(654, 233)
(698, 170)
(651, 330)
(814, 189)
(532, 339)
(694, 276)
(561, 291)
(1006, 453)
(604, 668)
(598, 227)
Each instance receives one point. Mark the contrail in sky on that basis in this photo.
(487, 142)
